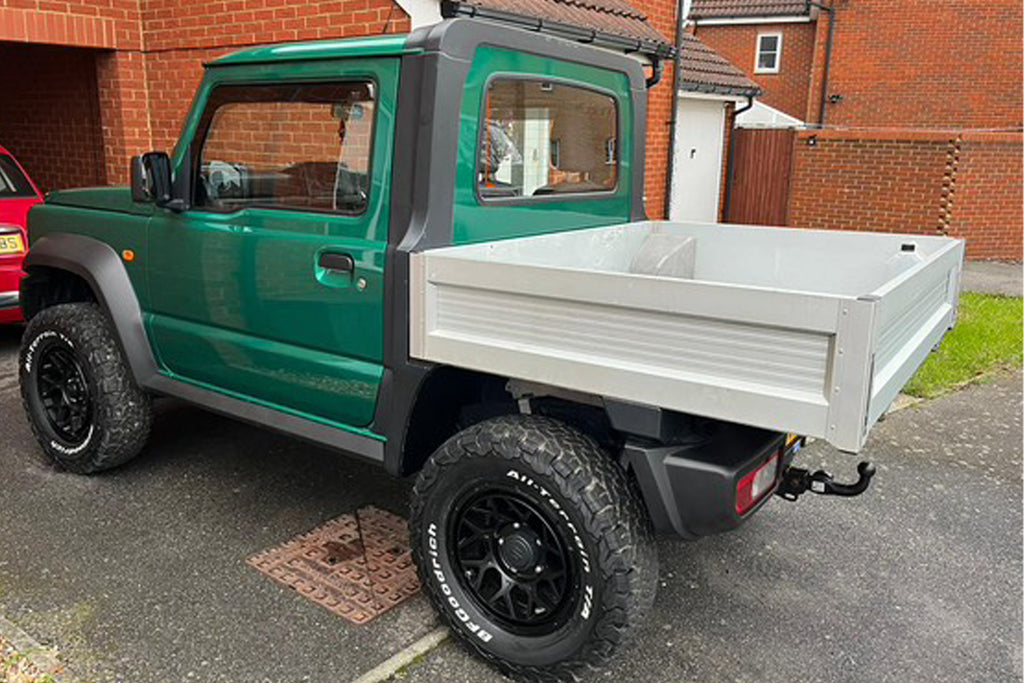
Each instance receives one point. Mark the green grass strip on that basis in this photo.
(987, 338)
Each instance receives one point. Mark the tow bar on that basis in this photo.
(796, 481)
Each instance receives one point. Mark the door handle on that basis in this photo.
(332, 260)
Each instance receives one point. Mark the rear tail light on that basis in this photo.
(755, 485)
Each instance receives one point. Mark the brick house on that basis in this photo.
(912, 112)
(772, 40)
(87, 83)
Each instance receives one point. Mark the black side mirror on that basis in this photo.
(151, 178)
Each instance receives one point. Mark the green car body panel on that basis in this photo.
(115, 199)
(235, 302)
(238, 300)
(106, 214)
(390, 45)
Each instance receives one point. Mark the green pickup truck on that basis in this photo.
(430, 251)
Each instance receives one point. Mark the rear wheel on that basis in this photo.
(533, 546)
(79, 395)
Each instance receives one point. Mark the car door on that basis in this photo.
(270, 286)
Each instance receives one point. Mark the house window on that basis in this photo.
(769, 53)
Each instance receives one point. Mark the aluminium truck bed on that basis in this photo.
(807, 331)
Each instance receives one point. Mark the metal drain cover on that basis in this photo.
(328, 565)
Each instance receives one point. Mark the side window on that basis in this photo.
(769, 53)
(543, 138)
(293, 146)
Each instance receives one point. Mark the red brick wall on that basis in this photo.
(987, 197)
(814, 83)
(50, 121)
(662, 15)
(786, 90)
(182, 34)
(912, 182)
(918, 63)
(125, 110)
(80, 23)
(172, 77)
(924, 63)
(659, 114)
(179, 24)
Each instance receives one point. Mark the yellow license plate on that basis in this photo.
(11, 244)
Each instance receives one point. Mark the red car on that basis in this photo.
(17, 195)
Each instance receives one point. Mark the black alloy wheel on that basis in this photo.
(512, 561)
(64, 393)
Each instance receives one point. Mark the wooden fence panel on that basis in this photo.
(760, 176)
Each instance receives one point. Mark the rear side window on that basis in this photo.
(13, 182)
(546, 138)
(305, 146)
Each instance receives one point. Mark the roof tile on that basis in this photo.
(724, 9)
(701, 68)
(611, 16)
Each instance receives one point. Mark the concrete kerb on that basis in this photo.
(400, 660)
(42, 658)
(45, 660)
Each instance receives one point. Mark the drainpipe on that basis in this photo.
(656, 71)
(828, 54)
(676, 61)
(730, 169)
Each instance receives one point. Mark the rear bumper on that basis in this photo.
(690, 489)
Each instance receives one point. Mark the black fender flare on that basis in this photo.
(101, 268)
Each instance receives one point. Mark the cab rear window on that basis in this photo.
(543, 138)
(13, 182)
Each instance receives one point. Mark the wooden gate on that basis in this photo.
(760, 175)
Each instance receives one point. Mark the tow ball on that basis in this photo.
(796, 481)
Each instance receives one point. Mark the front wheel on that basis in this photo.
(81, 400)
(533, 546)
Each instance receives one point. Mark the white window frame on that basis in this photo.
(758, 69)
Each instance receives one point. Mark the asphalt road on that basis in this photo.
(139, 575)
(993, 277)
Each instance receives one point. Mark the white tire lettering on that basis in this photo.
(442, 582)
(588, 590)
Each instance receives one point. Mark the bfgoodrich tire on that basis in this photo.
(81, 400)
(533, 546)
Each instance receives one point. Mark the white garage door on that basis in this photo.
(700, 135)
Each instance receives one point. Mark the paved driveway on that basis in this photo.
(139, 575)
